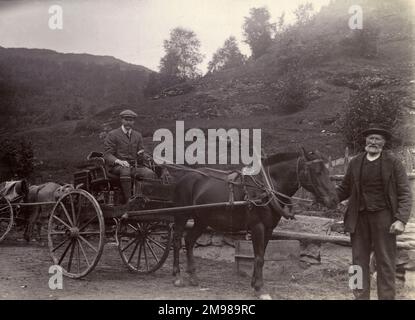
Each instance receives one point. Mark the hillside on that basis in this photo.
(333, 61)
(39, 87)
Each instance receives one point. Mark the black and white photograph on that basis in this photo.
(207, 150)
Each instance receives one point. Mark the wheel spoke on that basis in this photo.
(5, 208)
(134, 250)
(79, 256)
(152, 251)
(60, 244)
(129, 244)
(88, 243)
(158, 244)
(66, 213)
(87, 223)
(139, 255)
(73, 211)
(61, 221)
(71, 255)
(83, 252)
(141, 226)
(78, 214)
(145, 254)
(132, 227)
(64, 254)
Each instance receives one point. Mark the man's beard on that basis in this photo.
(370, 149)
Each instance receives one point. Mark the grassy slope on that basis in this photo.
(245, 98)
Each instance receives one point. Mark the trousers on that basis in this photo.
(127, 173)
(372, 234)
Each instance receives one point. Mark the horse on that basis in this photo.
(287, 172)
(46, 192)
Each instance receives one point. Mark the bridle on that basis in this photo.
(310, 185)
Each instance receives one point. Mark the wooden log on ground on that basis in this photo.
(304, 236)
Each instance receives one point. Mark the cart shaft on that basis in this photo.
(184, 209)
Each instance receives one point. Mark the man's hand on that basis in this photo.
(398, 227)
(122, 163)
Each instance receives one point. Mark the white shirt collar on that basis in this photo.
(125, 130)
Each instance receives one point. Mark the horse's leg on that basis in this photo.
(39, 224)
(179, 224)
(258, 243)
(190, 241)
(33, 217)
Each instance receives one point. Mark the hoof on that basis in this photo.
(265, 296)
(178, 283)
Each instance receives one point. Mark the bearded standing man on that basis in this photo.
(379, 206)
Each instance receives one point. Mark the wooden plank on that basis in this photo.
(280, 234)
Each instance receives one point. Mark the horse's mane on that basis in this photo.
(280, 157)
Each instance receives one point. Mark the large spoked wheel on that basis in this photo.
(6, 217)
(76, 232)
(144, 246)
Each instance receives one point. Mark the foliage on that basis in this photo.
(366, 107)
(303, 13)
(362, 43)
(87, 127)
(258, 31)
(73, 112)
(157, 82)
(229, 56)
(182, 55)
(293, 92)
(16, 158)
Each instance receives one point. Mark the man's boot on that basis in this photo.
(126, 188)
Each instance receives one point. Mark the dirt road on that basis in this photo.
(24, 275)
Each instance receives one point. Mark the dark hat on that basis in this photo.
(377, 129)
(128, 114)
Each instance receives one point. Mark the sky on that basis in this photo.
(131, 30)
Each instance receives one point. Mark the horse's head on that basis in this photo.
(314, 177)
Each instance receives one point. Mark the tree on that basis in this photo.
(182, 55)
(280, 24)
(16, 158)
(229, 56)
(258, 31)
(303, 13)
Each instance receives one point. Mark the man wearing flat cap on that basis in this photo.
(122, 147)
(379, 206)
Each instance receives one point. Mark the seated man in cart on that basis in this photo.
(123, 147)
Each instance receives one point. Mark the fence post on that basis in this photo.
(407, 160)
(346, 159)
(330, 166)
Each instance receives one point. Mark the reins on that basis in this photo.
(257, 184)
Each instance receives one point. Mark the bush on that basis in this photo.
(362, 43)
(16, 158)
(293, 92)
(369, 106)
(159, 82)
(87, 127)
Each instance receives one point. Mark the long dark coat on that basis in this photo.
(395, 185)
